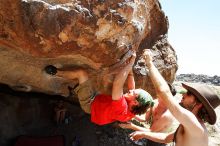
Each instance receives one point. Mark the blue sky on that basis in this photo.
(194, 32)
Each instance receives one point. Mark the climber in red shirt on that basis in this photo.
(105, 109)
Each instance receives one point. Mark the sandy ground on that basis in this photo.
(214, 131)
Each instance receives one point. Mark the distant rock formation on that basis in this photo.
(96, 35)
(212, 80)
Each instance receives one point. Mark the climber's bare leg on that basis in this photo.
(79, 74)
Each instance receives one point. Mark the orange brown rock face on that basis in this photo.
(96, 35)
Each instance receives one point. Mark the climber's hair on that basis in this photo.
(145, 101)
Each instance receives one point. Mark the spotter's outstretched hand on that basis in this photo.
(137, 135)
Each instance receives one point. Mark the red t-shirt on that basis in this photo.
(104, 110)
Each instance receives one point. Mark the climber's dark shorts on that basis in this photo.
(86, 95)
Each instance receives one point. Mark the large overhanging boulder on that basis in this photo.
(96, 35)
